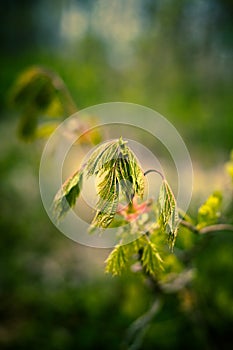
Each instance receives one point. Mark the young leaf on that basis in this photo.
(118, 172)
(108, 200)
(67, 195)
(168, 217)
(117, 260)
(151, 259)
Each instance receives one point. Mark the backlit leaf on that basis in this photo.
(168, 217)
(67, 195)
(151, 259)
(117, 260)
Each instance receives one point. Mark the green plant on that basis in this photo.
(149, 224)
(153, 225)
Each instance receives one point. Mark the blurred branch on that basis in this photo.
(207, 229)
(138, 328)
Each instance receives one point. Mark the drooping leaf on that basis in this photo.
(119, 173)
(101, 157)
(151, 259)
(108, 200)
(39, 93)
(168, 217)
(67, 195)
(209, 212)
(117, 260)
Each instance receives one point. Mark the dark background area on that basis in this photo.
(173, 56)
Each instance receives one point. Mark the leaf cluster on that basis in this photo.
(142, 250)
(118, 173)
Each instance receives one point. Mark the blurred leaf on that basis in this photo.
(46, 129)
(28, 124)
(209, 212)
(39, 92)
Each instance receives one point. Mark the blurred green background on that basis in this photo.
(174, 56)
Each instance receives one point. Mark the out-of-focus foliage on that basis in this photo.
(40, 94)
(209, 212)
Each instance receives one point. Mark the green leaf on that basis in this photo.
(39, 93)
(119, 173)
(117, 260)
(108, 200)
(209, 212)
(28, 124)
(168, 217)
(151, 259)
(67, 195)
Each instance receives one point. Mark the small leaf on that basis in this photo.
(168, 217)
(67, 195)
(151, 259)
(117, 260)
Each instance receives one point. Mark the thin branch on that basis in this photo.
(154, 171)
(216, 228)
(207, 229)
(189, 226)
(136, 331)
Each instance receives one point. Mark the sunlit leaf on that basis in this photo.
(168, 217)
(151, 259)
(66, 197)
(118, 172)
(117, 260)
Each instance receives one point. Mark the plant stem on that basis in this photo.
(207, 229)
(154, 171)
